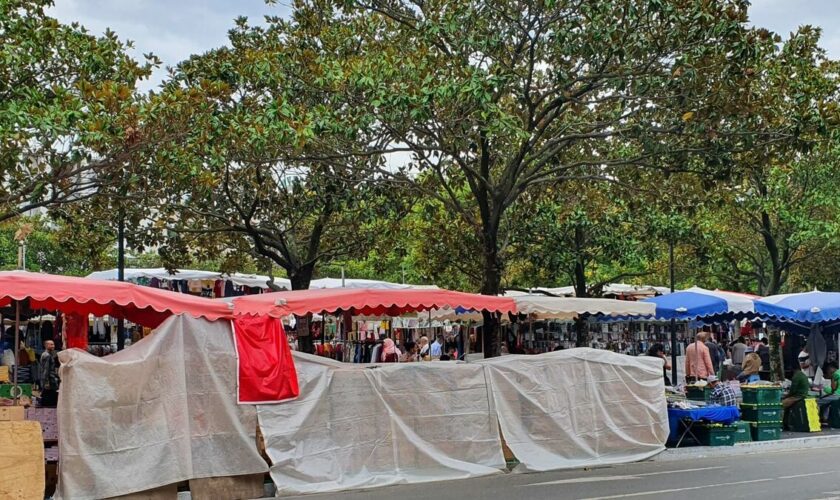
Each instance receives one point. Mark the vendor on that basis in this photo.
(831, 394)
(722, 394)
(799, 389)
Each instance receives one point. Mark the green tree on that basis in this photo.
(783, 207)
(265, 169)
(69, 111)
(53, 247)
(497, 97)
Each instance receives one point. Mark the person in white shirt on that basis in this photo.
(437, 347)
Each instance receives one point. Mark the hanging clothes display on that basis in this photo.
(76, 331)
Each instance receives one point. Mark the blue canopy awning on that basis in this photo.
(698, 303)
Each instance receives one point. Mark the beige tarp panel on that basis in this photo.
(357, 426)
(579, 407)
(162, 411)
(21, 460)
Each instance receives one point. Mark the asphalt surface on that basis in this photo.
(794, 475)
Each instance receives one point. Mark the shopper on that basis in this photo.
(437, 347)
(390, 353)
(763, 351)
(715, 352)
(739, 350)
(424, 346)
(49, 375)
(658, 351)
(750, 368)
(722, 394)
(698, 363)
(410, 354)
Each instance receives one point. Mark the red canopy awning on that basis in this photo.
(142, 305)
(368, 302)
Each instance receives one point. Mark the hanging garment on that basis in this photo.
(76, 331)
(194, 286)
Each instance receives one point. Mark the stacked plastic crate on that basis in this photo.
(762, 408)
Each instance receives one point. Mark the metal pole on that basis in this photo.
(342, 276)
(121, 275)
(673, 320)
(15, 388)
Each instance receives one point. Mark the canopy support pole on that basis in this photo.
(673, 320)
(15, 388)
(120, 275)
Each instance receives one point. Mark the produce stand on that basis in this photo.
(684, 422)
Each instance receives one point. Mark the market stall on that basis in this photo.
(162, 411)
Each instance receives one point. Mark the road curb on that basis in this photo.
(798, 443)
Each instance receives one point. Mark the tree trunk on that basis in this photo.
(300, 278)
(581, 324)
(490, 285)
(777, 369)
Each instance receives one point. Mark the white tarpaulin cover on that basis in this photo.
(160, 412)
(579, 407)
(354, 426)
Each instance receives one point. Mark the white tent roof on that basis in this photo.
(251, 280)
(257, 280)
(609, 289)
(360, 283)
(544, 307)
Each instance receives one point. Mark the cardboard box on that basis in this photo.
(168, 492)
(228, 487)
(22, 471)
(8, 413)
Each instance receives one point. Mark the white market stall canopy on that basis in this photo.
(544, 307)
(324, 283)
(611, 289)
(250, 280)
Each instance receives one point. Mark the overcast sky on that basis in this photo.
(175, 29)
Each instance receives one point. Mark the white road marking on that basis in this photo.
(806, 475)
(593, 479)
(678, 471)
(583, 480)
(676, 490)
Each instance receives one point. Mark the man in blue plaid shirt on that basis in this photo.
(722, 394)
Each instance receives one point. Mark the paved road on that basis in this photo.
(795, 475)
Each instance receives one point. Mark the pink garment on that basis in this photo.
(698, 362)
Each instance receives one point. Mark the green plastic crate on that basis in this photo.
(743, 434)
(834, 414)
(762, 395)
(697, 393)
(761, 413)
(717, 436)
(6, 390)
(766, 431)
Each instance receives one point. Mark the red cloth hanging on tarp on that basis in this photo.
(266, 369)
(76, 331)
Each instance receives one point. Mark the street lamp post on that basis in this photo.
(673, 320)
